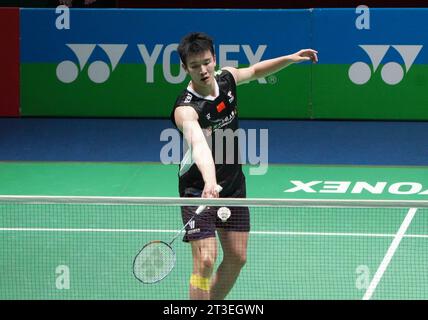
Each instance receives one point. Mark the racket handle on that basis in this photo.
(202, 208)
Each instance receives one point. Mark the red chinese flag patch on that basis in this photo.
(221, 106)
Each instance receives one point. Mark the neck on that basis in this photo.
(204, 91)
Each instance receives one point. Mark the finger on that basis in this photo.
(210, 194)
(215, 194)
(315, 57)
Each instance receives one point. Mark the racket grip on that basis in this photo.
(202, 208)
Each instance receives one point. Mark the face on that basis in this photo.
(201, 69)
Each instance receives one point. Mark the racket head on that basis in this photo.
(154, 262)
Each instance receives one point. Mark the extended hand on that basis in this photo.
(305, 55)
(211, 191)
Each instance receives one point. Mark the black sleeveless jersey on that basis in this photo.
(219, 119)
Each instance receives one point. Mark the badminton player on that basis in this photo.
(208, 105)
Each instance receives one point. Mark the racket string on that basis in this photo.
(154, 262)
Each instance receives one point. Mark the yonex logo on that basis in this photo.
(358, 187)
(392, 72)
(98, 71)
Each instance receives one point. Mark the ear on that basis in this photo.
(215, 61)
(184, 67)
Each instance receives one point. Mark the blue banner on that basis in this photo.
(276, 32)
(339, 34)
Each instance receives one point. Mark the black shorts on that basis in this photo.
(205, 224)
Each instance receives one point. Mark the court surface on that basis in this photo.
(72, 252)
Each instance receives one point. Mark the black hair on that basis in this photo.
(194, 43)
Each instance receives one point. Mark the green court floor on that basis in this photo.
(86, 252)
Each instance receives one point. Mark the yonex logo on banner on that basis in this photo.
(392, 72)
(358, 187)
(164, 52)
(98, 71)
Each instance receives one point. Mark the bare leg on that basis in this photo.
(204, 256)
(234, 245)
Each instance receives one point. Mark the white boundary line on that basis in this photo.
(389, 254)
(88, 230)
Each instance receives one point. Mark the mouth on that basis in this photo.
(205, 79)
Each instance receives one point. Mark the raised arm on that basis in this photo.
(266, 67)
(186, 119)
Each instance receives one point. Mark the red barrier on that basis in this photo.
(9, 62)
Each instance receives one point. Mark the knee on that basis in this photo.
(204, 264)
(241, 260)
(207, 262)
(204, 256)
(237, 259)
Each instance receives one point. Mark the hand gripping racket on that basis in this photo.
(157, 258)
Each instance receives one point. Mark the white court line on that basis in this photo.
(389, 254)
(274, 233)
(337, 234)
(88, 230)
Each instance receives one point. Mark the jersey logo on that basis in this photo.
(188, 98)
(208, 116)
(221, 106)
(192, 224)
(193, 230)
(231, 97)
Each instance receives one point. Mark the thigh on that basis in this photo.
(234, 243)
(204, 248)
